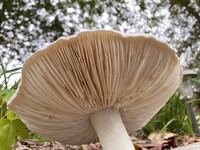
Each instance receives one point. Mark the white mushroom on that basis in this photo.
(98, 82)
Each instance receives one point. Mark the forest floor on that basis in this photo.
(155, 141)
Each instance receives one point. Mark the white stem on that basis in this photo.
(111, 131)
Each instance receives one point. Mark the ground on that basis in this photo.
(155, 141)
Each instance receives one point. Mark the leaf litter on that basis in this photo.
(155, 141)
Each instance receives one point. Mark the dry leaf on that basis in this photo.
(161, 136)
(139, 147)
(96, 146)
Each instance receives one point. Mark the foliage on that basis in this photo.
(27, 25)
(9, 130)
(10, 125)
(183, 32)
(172, 117)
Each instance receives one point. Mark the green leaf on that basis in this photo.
(9, 95)
(142, 6)
(3, 122)
(9, 130)
(4, 92)
(11, 115)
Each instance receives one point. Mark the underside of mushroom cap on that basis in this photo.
(74, 77)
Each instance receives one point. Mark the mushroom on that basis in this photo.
(98, 83)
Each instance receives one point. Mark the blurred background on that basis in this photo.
(28, 25)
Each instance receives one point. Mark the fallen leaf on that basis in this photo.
(139, 147)
(160, 136)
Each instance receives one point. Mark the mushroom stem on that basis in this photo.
(110, 130)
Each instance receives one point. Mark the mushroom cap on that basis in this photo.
(63, 84)
(189, 73)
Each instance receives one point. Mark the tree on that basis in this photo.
(184, 31)
(26, 25)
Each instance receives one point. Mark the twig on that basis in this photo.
(4, 75)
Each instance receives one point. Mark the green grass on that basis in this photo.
(172, 117)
